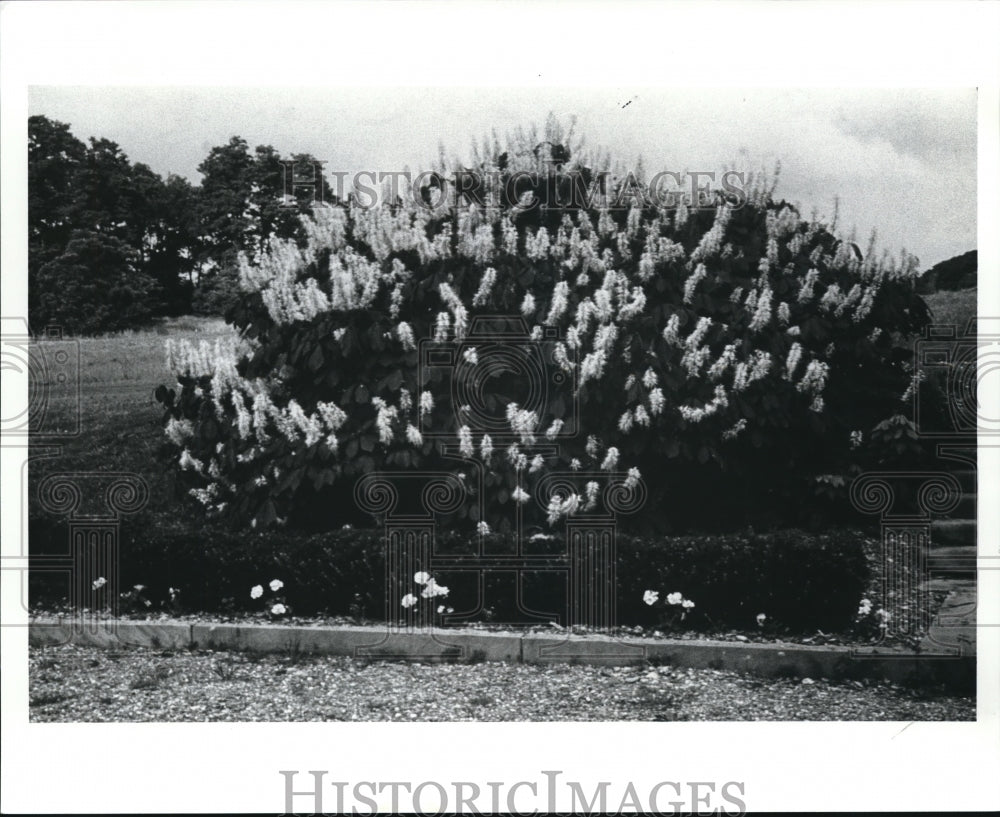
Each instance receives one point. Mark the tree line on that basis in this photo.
(113, 245)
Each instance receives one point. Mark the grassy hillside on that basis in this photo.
(960, 272)
(958, 307)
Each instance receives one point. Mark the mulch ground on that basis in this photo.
(84, 684)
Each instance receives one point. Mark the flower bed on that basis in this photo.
(800, 582)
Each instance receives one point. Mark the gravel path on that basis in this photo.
(72, 684)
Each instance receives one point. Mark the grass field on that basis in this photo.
(136, 358)
(109, 399)
(957, 307)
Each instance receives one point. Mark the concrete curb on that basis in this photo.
(956, 672)
(112, 634)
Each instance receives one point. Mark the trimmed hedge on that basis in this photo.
(799, 580)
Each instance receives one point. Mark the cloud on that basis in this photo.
(902, 161)
(928, 125)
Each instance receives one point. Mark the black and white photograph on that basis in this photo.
(348, 407)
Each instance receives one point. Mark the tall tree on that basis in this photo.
(94, 285)
(76, 189)
(225, 223)
(170, 241)
(224, 201)
(106, 197)
(54, 157)
(245, 198)
(282, 191)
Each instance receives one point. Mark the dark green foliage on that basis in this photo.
(144, 224)
(169, 248)
(185, 238)
(960, 272)
(240, 206)
(94, 286)
(801, 581)
(698, 478)
(55, 156)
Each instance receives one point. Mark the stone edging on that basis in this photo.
(369, 643)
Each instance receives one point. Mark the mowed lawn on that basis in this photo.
(108, 396)
(956, 308)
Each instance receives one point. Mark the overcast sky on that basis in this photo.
(900, 161)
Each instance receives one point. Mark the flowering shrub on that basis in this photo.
(802, 581)
(427, 609)
(675, 607)
(276, 606)
(725, 352)
(135, 600)
(870, 621)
